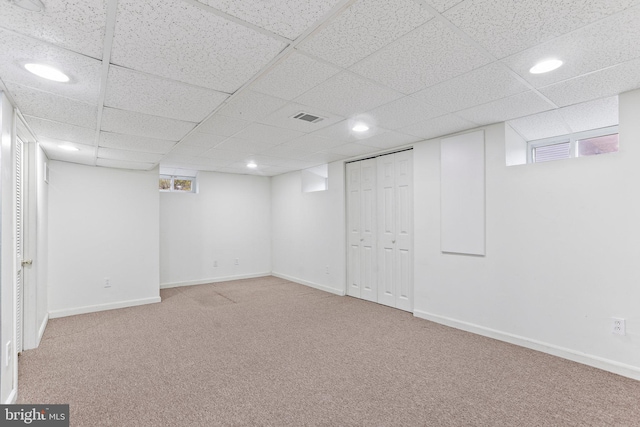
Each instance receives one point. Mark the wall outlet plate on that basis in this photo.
(618, 326)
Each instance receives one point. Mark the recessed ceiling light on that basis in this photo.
(545, 66)
(252, 165)
(68, 147)
(47, 72)
(360, 127)
(30, 5)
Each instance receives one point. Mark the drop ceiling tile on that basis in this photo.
(188, 150)
(276, 170)
(347, 94)
(85, 155)
(476, 87)
(243, 146)
(542, 125)
(302, 164)
(242, 169)
(591, 115)
(33, 102)
(223, 125)
(403, 112)
(139, 124)
(312, 143)
(425, 57)
(264, 160)
(191, 162)
(123, 164)
(294, 76)
(183, 42)
(440, 126)
(61, 131)
(368, 25)
(284, 118)
(144, 93)
(203, 139)
(83, 72)
(507, 27)
(285, 152)
(250, 105)
(606, 43)
(342, 131)
(131, 156)
(77, 25)
(229, 156)
(267, 134)
(288, 18)
(441, 5)
(600, 84)
(135, 143)
(390, 139)
(323, 157)
(352, 149)
(520, 105)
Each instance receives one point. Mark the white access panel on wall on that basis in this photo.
(462, 186)
(380, 229)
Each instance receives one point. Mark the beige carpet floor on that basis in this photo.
(270, 352)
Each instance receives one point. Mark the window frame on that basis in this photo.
(172, 178)
(572, 138)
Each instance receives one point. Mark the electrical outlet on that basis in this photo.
(237, 261)
(326, 269)
(107, 282)
(215, 264)
(618, 326)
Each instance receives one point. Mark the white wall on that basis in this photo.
(103, 223)
(8, 371)
(562, 251)
(229, 218)
(41, 261)
(309, 231)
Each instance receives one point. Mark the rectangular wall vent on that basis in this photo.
(308, 117)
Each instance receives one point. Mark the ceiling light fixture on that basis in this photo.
(30, 5)
(545, 66)
(252, 165)
(360, 127)
(47, 72)
(69, 147)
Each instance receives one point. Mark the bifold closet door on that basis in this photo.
(395, 230)
(362, 224)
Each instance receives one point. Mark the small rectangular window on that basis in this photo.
(546, 153)
(598, 145)
(580, 144)
(178, 184)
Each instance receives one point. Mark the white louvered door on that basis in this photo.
(19, 247)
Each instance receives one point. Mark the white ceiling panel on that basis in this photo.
(592, 115)
(439, 126)
(425, 57)
(203, 139)
(542, 125)
(303, 164)
(276, 170)
(188, 150)
(33, 102)
(144, 93)
(61, 131)
(288, 18)
(180, 41)
(83, 72)
(403, 112)
(476, 87)
(352, 149)
(77, 25)
(267, 134)
(294, 76)
(520, 105)
(603, 44)
(223, 155)
(135, 143)
(440, 5)
(223, 125)
(347, 94)
(364, 28)
(342, 131)
(264, 160)
(51, 146)
(243, 146)
(312, 143)
(323, 157)
(250, 105)
(283, 118)
(131, 156)
(507, 27)
(600, 84)
(132, 123)
(123, 164)
(185, 159)
(285, 152)
(390, 139)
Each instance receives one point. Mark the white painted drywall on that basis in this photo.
(229, 218)
(309, 231)
(562, 245)
(41, 261)
(103, 223)
(8, 369)
(515, 147)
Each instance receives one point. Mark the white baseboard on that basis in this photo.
(101, 307)
(13, 396)
(310, 284)
(43, 326)
(566, 353)
(213, 280)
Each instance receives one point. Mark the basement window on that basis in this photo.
(581, 144)
(315, 179)
(177, 184)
